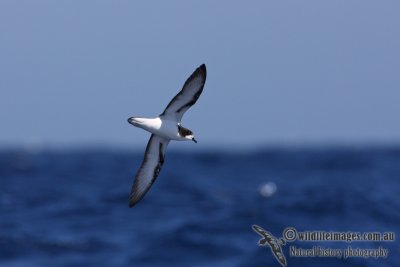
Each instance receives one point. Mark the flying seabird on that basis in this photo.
(164, 128)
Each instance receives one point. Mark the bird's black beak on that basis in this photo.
(194, 140)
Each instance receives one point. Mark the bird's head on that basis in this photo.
(186, 133)
(191, 137)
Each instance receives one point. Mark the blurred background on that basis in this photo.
(297, 126)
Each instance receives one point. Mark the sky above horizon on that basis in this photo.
(279, 72)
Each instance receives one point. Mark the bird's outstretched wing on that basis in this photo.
(150, 168)
(188, 96)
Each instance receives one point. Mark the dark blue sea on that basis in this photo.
(70, 208)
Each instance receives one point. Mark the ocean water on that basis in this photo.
(70, 208)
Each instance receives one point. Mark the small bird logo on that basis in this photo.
(274, 243)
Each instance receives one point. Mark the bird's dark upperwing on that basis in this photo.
(150, 168)
(188, 96)
(267, 236)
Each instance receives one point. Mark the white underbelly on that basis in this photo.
(161, 127)
(164, 128)
(169, 129)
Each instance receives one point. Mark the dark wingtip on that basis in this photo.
(131, 203)
(132, 200)
(203, 68)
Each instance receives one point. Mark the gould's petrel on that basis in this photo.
(164, 128)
